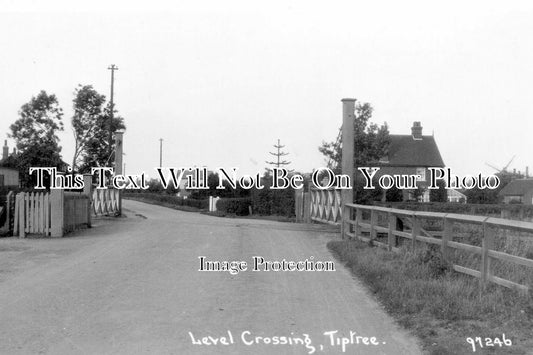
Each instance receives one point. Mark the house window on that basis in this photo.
(422, 173)
(2, 180)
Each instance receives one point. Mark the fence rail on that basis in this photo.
(396, 218)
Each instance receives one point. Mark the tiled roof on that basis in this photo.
(404, 150)
(517, 187)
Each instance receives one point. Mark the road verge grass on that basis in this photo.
(441, 307)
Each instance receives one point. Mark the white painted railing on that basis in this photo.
(326, 205)
(106, 202)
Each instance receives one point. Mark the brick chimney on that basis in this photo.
(416, 130)
(5, 151)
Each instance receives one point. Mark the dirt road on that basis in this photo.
(132, 286)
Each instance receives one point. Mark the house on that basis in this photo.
(456, 196)
(411, 154)
(183, 192)
(198, 176)
(518, 191)
(9, 176)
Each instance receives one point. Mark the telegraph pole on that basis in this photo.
(112, 67)
(160, 152)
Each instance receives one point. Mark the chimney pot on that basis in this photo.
(5, 150)
(416, 130)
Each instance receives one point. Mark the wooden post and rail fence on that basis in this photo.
(367, 229)
(390, 227)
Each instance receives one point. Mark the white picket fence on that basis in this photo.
(50, 214)
(32, 214)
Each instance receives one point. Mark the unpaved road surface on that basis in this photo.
(132, 286)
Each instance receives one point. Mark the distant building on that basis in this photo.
(183, 191)
(411, 154)
(518, 191)
(9, 176)
(456, 196)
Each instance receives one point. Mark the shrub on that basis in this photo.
(273, 202)
(238, 206)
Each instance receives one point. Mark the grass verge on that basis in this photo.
(442, 308)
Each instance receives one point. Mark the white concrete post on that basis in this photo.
(348, 116)
(88, 191)
(119, 136)
(57, 213)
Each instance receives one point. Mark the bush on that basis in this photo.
(238, 206)
(269, 202)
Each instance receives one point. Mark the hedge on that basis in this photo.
(273, 202)
(238, 206)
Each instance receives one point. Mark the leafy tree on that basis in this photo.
(88, 107)
(440, 194)
(35, 135)
(418, 193)
(394, 194)
(91, 129)
(38, 156)
(490, 196)
(40, 120)
(371, 143)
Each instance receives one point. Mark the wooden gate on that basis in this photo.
(326, 205)
(32, 214)
(106, 202)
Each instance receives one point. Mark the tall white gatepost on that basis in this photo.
(119, 136)
(88, 191)
(348, 116)
(57, 212)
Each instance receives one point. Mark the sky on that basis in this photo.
(221, 81)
